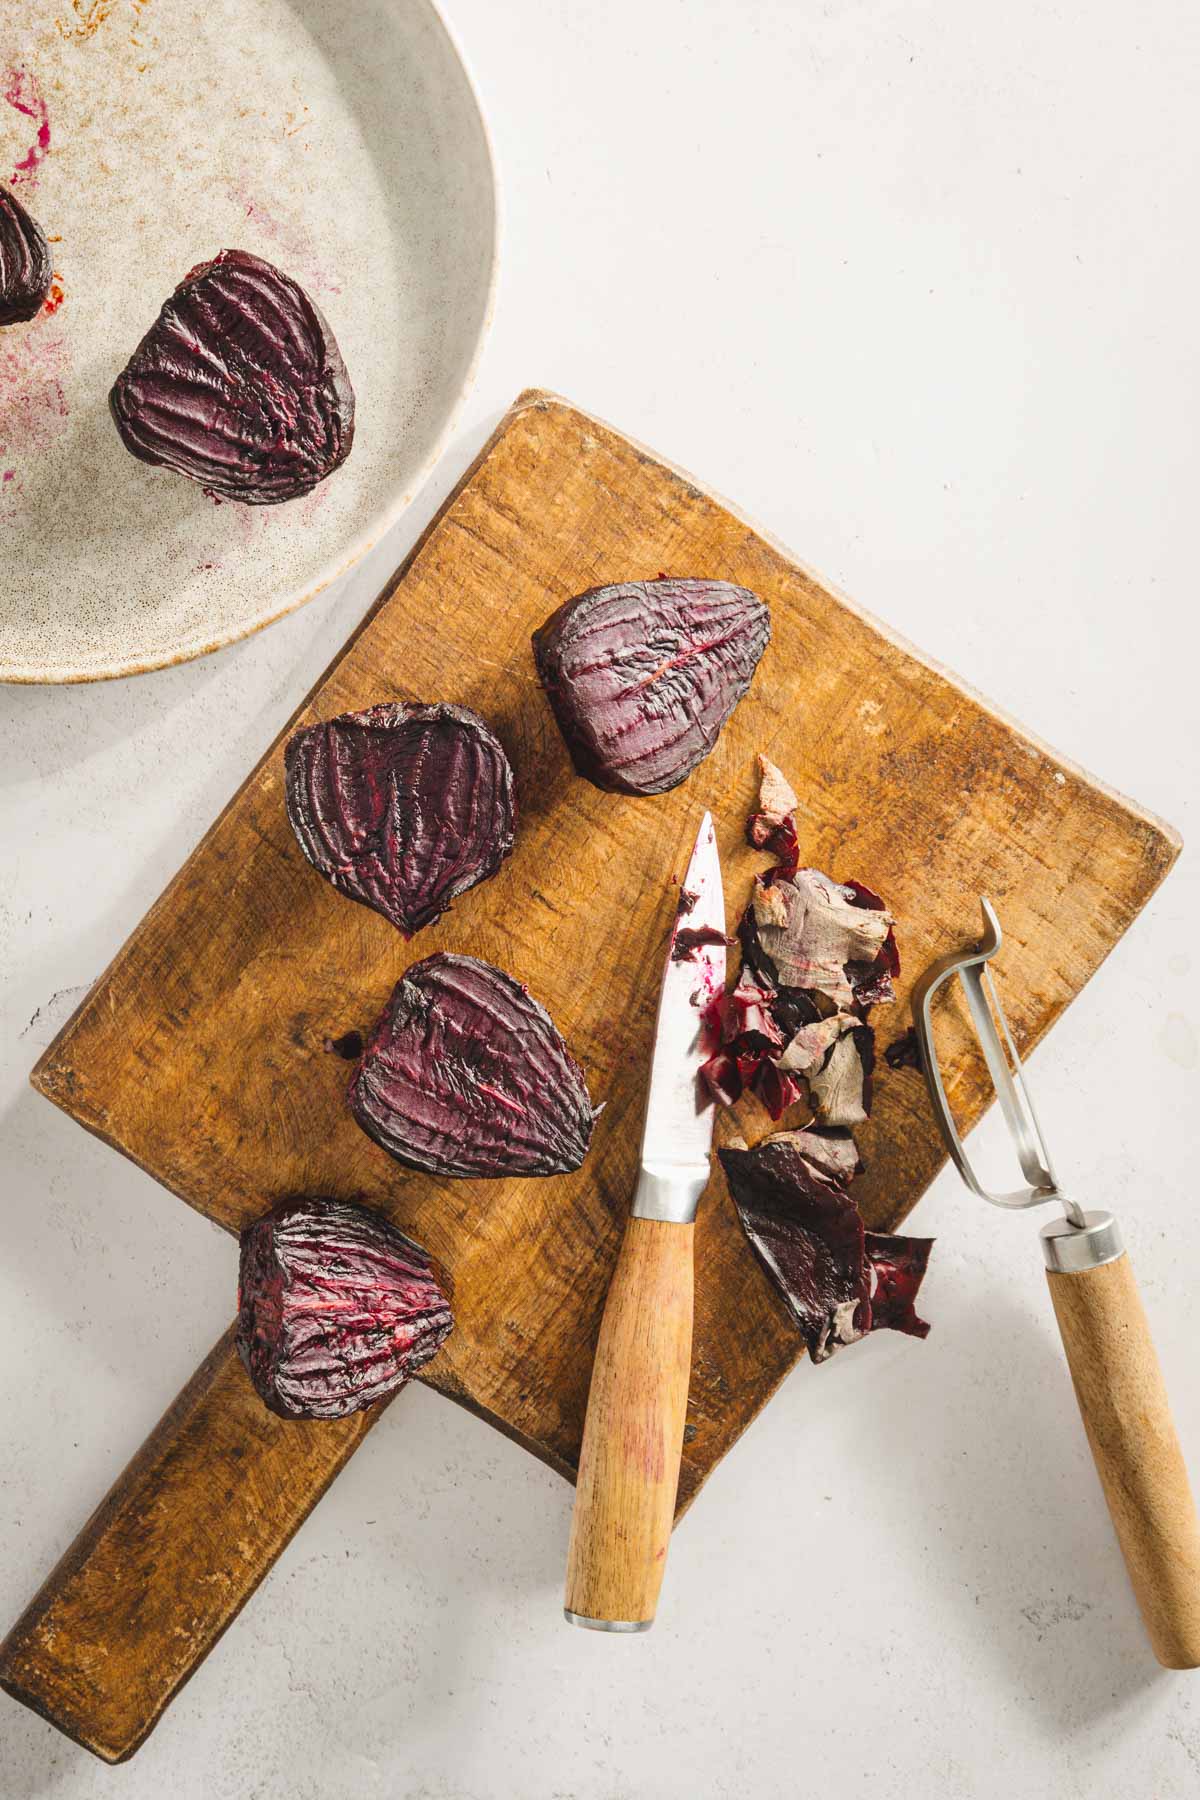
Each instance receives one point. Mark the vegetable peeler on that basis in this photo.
(1114, 1368)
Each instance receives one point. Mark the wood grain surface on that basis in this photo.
(1127, 1416)
(202, 1052)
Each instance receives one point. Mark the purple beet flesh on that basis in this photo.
(465, 1074)
(643, 676)
(402, 807)
(25, 272)
(238, 384)
(336, 1308)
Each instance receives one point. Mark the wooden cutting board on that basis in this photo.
(203, 1052)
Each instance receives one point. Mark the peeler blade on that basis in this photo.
(970, 965)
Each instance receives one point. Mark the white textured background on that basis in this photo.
(917, 286)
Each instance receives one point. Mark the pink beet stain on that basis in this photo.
(302, 258)
(25, 96)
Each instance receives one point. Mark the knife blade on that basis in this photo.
(677, 1133)
(637, 1403)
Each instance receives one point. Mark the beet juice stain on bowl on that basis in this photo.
(23, 93)
(296, 244)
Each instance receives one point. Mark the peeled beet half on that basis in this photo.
(402, 807)
(336, 1308)
(465, 1074)
(643, 676)
(25, 272)
(238, 384)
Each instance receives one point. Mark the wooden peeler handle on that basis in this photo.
(170, 1557)
(633, 1434)
(1123, 1401)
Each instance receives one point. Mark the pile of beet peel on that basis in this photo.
(817, 954)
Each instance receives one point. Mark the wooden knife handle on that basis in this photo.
(633, 1433)
(170, 1556)
(1123, 1400)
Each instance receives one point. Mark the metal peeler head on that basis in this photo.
(1004, 1067)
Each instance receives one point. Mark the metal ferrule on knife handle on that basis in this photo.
(670, 1192)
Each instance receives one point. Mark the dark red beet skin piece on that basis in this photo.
(807, 1233)
(402, 807)
(25, 272)
(898, 1265)
(465, 1074)
(336, 1308)
(689, 939)
(837, 1280)
(642, 676)
(238, 384)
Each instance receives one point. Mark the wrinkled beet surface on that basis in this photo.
(837, 1280)
(238, 384)
(336, 1308)
(643, 676)
(402, 807)
(25, 272)
(465, 1074)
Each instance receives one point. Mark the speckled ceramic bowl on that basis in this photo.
(342, 142)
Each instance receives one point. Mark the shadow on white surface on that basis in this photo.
(1072, 1652)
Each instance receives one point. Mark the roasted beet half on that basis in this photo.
(336, 1308)
(837, 1280)
(238, 384)
(465, 1074)
(642, 676)
(402, 807)
(25, 272)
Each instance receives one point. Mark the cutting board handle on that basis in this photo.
(170, 1557)
(633, 1433)
(1123, 1400)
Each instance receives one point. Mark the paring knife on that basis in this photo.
(633, 1433)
